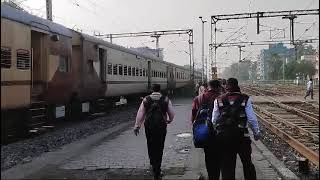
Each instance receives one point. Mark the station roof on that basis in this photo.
(13, 14)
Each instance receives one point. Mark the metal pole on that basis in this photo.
(49, 9)
(283, 72)
(210, 49)
(215, 49)
(202, 56)
(206, 68)
(292, 28)
(192, 61)
(190, 56)
(239, 60)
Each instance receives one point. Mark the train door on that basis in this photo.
(149, 75)
(38, 71)
(103, 64)
(170, 78)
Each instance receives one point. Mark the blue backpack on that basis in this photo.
(202, 126)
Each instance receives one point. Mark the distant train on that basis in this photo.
(43, 64)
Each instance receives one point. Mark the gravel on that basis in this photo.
(25, 150)
(285, 153)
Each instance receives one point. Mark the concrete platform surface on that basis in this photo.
(118, 154)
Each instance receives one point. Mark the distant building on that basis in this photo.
(151, 52)
(282, 51)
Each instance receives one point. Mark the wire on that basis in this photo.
(232, 35)
(307, 30)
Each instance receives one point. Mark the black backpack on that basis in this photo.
(228, 122)
(156, 112)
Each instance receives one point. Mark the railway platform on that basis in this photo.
(117, 153)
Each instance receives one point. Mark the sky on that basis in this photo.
(119, 16)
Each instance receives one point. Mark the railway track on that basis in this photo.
(297, 126)
(298, 132)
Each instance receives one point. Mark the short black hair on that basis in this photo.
(156, 87)
(224, 81)
(214, 84)
(232, 82)
(310, 79)
(205, 84)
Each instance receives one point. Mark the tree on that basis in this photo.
(304, 50)
(290, 69)
(274, 67)
(305, 68)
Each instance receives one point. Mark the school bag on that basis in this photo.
(156, 112)
(202, 126)
(227, 126)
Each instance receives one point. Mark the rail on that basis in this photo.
(292, 140)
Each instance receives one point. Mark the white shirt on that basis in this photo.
(309, 85)
(251, 116)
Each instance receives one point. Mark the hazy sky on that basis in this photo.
(116, 16)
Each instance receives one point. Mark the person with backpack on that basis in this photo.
(232, 112)
(155, 111)
(199, 105)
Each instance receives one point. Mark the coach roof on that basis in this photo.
(21, 16)
(115, 46)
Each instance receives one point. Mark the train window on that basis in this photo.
(120, 69)
(5, 57)
(129, 71)
(90, 66)
(133, 71)
(137, 71)
(23, 59)
(109, 68)
(144, 72)
(115, 69)
(125, 70)
(63, 64)
(140, 72)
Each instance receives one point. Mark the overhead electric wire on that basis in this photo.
(306, 30)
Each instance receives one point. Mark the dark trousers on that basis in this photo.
(228, 156)
(245, 156)
(155, 142)
(309, 92)
(212, 160)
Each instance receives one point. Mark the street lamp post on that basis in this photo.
(202, 56)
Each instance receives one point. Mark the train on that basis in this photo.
(45, 64)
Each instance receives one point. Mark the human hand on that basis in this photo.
(257, 136)
(136, 131)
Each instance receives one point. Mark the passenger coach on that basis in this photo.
(44, 66)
